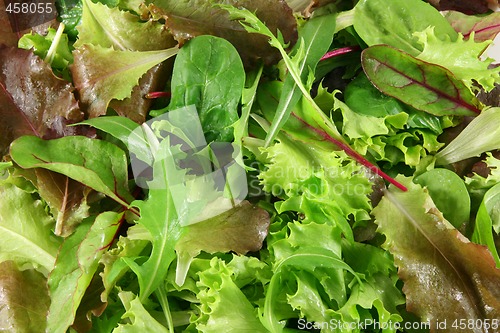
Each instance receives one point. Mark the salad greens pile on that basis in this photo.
(251, 166)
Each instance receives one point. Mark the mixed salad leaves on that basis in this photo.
(251, 166)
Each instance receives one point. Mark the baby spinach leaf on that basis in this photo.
(76, 264)
(445, 276)
(24, 299)
(209, 74)
(388, 22)
(98, 164)
(424, 86)
(102, 74)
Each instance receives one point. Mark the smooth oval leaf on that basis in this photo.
(98, 164)
(208, 73)
(389, 22)
(425, 86)
(449, 193)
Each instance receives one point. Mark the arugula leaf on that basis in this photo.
(25, 226)
(424, 86)
(102, 74)
(79, 158)
(162, 219)
(24, 300)
(389, 22)
(315, 38)
(76, 264)
(430, 253)
(209, 74)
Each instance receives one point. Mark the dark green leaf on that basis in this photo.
(209, 74)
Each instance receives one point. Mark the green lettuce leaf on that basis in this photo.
(461, 57)
(25, 226)
(120, 30)
(140, 320)
(223, 305)
(445, 276)
(60, 58)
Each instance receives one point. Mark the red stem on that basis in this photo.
(341, 51)
(158, 94)
(354, 154)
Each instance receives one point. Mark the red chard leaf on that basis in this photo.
(425, 86)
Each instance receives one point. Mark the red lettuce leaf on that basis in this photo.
(33, 101)
(188, 19)
(484, 27)
(32, 98)
(24, 299)
(445, 276)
